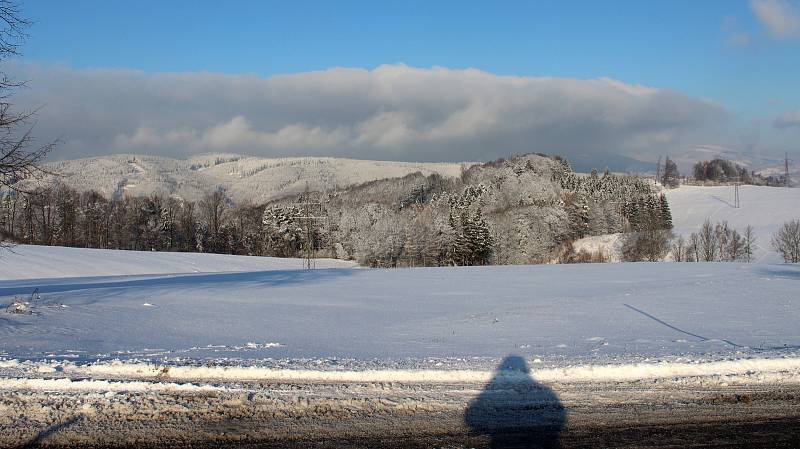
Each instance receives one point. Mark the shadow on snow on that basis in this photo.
(785, 271)
(272, 278)
(515, 411)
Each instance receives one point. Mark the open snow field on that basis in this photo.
(33, 262)
(554, 312)
(659, 354)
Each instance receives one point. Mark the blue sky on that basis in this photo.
(721, 50)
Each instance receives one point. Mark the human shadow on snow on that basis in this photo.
(41, 437)
(272, 278)
(515, 411)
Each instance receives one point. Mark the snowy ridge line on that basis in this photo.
(757, 369)
(92, 385)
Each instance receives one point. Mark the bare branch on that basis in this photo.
(20, 159)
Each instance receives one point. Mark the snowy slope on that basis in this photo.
(245, 178)
(32, 262)
(597, 312)
(764, 208)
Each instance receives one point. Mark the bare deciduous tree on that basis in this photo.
(694, 248)
(679, 249)
(708, 242)
(749, 244)
(786, 241)
(19, 158)
(212, 209)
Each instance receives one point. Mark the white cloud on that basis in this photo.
(789, 119)
(391, 112)
(780, 17)
(734, 36)
(234, 134)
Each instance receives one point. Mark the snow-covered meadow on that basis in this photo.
(32, 262)
(763, 208)
(558, 314)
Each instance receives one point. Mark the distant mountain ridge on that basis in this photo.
(766, 165)
(245, 178)
(259, 179)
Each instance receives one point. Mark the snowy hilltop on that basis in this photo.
(245, 178)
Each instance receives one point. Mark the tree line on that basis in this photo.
(715, 243)
(722, 170)
(63, 216)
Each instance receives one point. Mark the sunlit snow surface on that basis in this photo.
(763, 208)
(597, 312)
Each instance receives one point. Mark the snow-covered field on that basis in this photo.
(32, 262)
(259, 310)
(763, 208)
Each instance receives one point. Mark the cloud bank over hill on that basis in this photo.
(393, 112)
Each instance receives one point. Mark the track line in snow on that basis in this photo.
(700, 337)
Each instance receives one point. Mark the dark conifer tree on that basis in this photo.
(671, 178)
(666, 215)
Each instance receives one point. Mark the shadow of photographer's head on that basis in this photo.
(515, 411)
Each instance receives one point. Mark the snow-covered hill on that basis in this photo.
(245, 178)
(764, 208)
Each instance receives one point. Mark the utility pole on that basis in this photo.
(311, 213)
(736, 193)
(658, 170)
(786, 169)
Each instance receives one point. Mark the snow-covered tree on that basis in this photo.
(749, 243)
(282, 231)
(786, 241)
